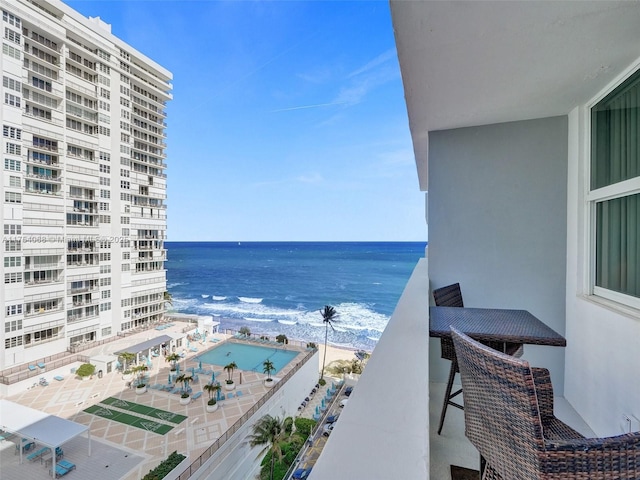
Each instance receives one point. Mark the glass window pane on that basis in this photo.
(618, 245)
(615, 148)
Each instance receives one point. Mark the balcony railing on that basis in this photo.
(46, 281)
(43, 266)
(43, 311)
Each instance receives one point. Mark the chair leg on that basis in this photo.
(447, 394)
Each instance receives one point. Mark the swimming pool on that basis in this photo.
(248, 357)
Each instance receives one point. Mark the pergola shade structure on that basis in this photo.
(39, 427)
(146, 345)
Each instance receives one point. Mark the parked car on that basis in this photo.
(301, 473)
(343, 402)
(326, 430)
(348, 390)
(332, 418)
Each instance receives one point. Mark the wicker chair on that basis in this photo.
(509, 419)
(451, 296)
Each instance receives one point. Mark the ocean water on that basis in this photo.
(280, 287)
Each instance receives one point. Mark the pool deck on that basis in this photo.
(121, 451)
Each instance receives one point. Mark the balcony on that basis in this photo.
(84, 289)
(42, 281)
(48, 178)
(31, 312)
(395, 407)
(43, 266)
(82, 317)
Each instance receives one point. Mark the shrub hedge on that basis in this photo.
(165, 467)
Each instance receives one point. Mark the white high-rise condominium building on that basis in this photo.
(83, 182)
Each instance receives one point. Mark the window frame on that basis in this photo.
(594, 196)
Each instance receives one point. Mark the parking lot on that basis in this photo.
(331, 416)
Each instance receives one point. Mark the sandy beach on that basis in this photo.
(335, 353)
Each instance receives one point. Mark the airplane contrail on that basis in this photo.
(308, 106)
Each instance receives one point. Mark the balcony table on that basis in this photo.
(493, 324)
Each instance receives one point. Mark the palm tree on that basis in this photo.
(167, 298)
(184, 379)
(328, 315)
(127, 357)
(268, 432)
(173, 358)
(212, 389)
(268, 368)
(230, 368)
(139, 371)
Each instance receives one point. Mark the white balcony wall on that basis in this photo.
(497, 224)
(602, 354)
(383, 432)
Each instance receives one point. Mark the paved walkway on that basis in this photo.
(122, 451)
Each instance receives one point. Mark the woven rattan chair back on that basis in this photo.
(449, 296)
(502, 417)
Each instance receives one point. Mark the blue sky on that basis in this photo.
(288, 121)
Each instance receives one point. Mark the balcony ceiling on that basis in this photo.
(468, 63)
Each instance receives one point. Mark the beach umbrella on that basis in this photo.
(200, 365)
(322, 403)
(193, 370)
(169, 379)
(318, 409)
(213, 377)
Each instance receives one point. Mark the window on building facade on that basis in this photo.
(13, 277)
(12, 229)
(12, 100)
(11, 84)
(12, 52)
(12, 342)
(12, 262)
(11, 19)
(10, 164)
(12, 326)
(615, 193)
(12, 197)
(11, 132)
(12, 245)
(14, 310)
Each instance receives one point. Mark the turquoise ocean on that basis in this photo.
(279, 287)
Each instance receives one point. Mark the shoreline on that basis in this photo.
(232, 324)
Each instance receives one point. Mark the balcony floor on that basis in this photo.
(453, 448)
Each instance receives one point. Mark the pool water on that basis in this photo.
(248, 357)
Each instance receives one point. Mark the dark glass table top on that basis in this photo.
(493, 324)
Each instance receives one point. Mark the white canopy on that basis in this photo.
(147, 344)
(36, 426)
